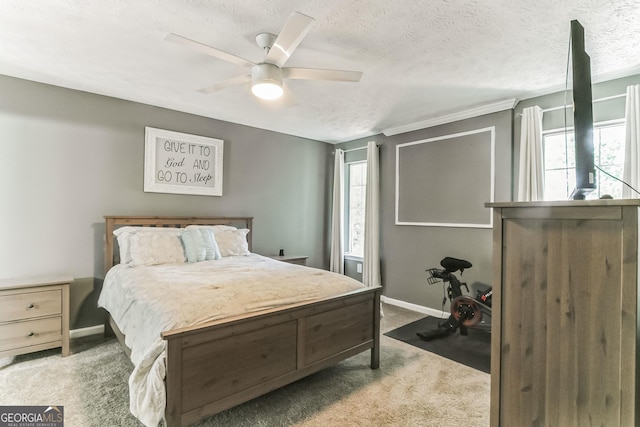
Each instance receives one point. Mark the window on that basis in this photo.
(560, 168)
(356, 192)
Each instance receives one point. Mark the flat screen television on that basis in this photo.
(582, 114)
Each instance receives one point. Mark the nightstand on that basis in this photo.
(34, 314)
(291, 259)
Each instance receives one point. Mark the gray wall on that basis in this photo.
(407, 251)
(70, 157)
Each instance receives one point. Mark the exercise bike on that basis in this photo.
(466, 312)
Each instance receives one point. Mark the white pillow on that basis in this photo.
(194, 246)
(155, 248)
(123, 235)
(232, 242)
(223, 228)
(213, 228)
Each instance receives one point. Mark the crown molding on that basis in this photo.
(480, 110)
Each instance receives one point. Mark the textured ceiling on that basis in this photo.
(420, 59)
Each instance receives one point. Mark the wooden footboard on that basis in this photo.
(219, 365)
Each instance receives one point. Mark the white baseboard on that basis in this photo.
(85, 332)
(414, 307)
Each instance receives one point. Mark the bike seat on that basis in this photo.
(454, 264)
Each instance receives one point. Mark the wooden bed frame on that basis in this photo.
(217, 365)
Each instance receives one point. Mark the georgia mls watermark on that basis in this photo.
(31, 416)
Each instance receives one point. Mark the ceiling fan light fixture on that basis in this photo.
(266, 81)
(267, 90)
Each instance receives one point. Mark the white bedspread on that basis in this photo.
(145, 301)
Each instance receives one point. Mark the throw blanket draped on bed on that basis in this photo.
(145, 301)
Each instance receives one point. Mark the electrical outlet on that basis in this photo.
(358, 268)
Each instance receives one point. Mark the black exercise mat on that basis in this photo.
(473, 350)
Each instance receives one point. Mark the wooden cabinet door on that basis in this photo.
(567, 320)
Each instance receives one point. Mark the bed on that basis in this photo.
(219, 363)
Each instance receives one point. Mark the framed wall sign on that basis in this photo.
(181, 163)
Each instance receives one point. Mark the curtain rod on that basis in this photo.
(606, 98)
(361, 148)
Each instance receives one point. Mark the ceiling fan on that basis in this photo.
(267, 77)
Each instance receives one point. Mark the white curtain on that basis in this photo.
(371, 264)
(337, 215)
(531, 166)
(631, 174)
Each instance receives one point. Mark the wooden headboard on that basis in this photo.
(111, 255)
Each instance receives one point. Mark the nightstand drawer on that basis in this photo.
(29, 333)
(29, 305)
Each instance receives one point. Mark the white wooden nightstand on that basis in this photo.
(291, 259)
(34, 314)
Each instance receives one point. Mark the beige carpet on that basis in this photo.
(411, 388)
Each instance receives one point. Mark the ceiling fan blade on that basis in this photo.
(226, 83)
(294, 30)
(207, 50)
(319, 74)
(288, 100)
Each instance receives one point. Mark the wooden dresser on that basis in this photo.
(564, 345)
(34, 314)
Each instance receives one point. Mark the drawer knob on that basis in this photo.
(31, 334)
(30, 306)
